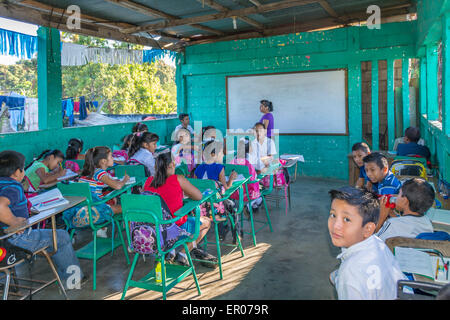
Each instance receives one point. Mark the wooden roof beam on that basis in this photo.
(221, 15)
(148, 11)
(303, 27)
(220, 8)
(58, 21)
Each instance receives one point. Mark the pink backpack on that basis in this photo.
(72, 166)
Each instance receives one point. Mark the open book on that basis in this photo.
(131, 181)
(69, 174)
(418, 262)
(297, 157)
(239, 177)
(47, 200)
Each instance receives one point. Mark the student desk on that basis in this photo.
(33, 220)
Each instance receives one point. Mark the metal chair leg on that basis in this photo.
(8, 277)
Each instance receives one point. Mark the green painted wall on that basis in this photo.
(202, 71)
(433, 26)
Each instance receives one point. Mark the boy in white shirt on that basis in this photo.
(185, 120)
(263, 148)
(368, 269)
(415, 198)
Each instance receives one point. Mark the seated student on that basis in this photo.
(184, 119)
(402, 140)
(243, 158)
(142, 146)
(213, 169)
(359, 151)
(171, 188)
(209, 133)
(263, 148)
(139, 127)
(368, 269)
(14, 212)
(415, 198)
(183, 150)
(46, 171)
(74, 149)
(98, 159)
(73, 152)
(383, 180)
(411, 146)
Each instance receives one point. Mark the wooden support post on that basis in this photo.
(49, 78)
(354, 104)
(432, 85)
(423, 86)
(405, 93)
(446, 74)
(375, 120)
(390, 103)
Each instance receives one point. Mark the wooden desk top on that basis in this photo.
(73, 201)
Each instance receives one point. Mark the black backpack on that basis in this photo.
(10, 254)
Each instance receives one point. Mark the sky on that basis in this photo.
(31, 29)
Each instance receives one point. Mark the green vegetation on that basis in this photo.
(125, 89)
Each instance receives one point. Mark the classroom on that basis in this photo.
(325, 114)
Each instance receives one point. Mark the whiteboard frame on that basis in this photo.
(307, 71)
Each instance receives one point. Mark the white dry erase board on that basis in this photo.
(313, 102)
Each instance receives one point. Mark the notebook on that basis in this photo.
(47, 200)
(421, 263)
(439, 216)
(297, 157)
(69, 174)
(131, 181)
(239, 177)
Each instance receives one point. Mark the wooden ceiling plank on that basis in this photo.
(222, 15)
(221, 8)
(148, 11)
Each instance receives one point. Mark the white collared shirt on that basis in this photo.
(146, 158)
(368, 271)
(188, 128)
(405, 226)
(266, 148)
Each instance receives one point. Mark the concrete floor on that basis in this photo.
(292, 262)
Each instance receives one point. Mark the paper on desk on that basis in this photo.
(119, 159)
(239, 177)
(440, 216)
(131, 181)
(69, 174)
(415, 261)
(297, 157)
(47, 200)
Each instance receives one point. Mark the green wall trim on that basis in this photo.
(405, 93)
(206, 67)
(432, 85)
(390, 103)
(375, 120)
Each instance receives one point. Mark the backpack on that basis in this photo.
(280, 178)
(10, 254)
(72, 165)
(143, 234)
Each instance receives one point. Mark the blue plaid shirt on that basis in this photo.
(389, 185)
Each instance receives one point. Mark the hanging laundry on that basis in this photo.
(73, 54)
(76, 106)
(83, 111)
(17, 44)
(150, 56)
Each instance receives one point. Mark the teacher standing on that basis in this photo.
(266, 108)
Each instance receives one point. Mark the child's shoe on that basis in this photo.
(101, 233)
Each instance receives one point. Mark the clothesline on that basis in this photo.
(25, 46)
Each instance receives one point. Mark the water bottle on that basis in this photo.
(158, 273)
(391, 202)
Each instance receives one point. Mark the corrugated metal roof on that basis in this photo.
(181, 9)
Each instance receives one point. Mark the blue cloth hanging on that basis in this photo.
(17, 44)
(155, 54)
(83, 111)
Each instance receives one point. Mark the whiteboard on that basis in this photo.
(303, 102)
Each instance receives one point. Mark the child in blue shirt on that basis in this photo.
(411, 147)
(359, 151)
(383, 180)
(14, 212)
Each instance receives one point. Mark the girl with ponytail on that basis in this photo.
(97, 160)
(44, 171)
(171, 187)
(142, 147)
(74, 149)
